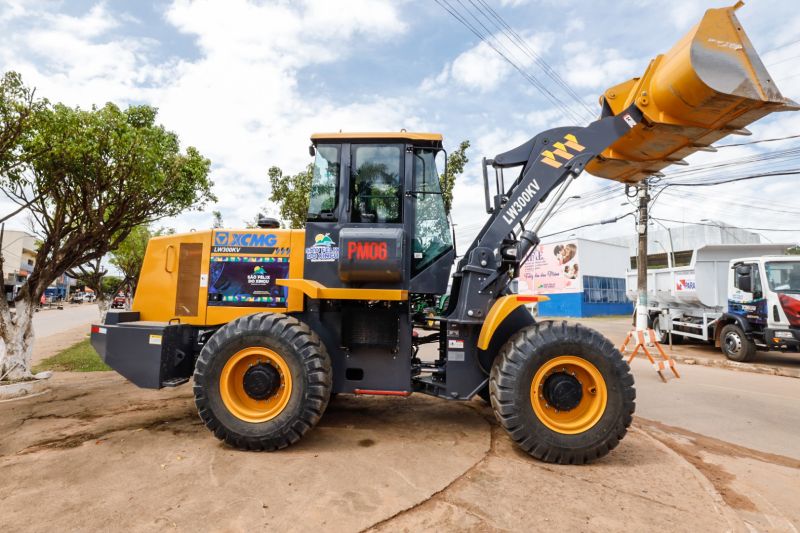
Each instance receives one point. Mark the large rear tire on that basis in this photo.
(262, 381)
(563, 393)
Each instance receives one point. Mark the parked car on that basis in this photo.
(119, 302)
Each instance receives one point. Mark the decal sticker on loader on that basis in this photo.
(246, 281)
(235, 242)
(324, 250)
(561, 151)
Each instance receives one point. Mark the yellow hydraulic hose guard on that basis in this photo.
(711, 84)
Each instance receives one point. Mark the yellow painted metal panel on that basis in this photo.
(502, 307)
(158, 280)
(711, 84)
(314, 289)
(406, 135)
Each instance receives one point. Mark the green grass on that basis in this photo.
(78, 358)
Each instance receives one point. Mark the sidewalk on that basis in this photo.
(773, 363)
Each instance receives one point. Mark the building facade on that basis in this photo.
(19, 257)
(579, 276)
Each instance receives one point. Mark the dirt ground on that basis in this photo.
(98, 453)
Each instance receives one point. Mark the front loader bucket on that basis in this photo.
(711, 84)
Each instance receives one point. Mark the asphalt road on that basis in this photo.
(52, 321)
(757, 411)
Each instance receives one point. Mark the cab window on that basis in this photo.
(375, 186)
(432, 236)
(324, 184)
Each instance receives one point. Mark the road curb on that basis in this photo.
(734, 365)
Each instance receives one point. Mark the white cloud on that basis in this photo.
(590, 66)
(481, 68)
(239, 101)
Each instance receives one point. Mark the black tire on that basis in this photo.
(735, 344)
(511, 381)
(663, 336)
(309, 365)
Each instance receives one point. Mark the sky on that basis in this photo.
(247, 83)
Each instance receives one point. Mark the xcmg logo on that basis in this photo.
(227, 238)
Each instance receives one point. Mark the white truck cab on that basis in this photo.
(763, 306)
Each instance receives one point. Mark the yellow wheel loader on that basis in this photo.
(271, 322)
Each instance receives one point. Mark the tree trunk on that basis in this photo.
(103, 304)
(16, 334)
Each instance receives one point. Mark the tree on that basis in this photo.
(217, 220)
(291, 194)
(794, 250)
(111, 285)
(456, 162)
(129, 255)
(17, 108)
(92, 275)
(90, 177)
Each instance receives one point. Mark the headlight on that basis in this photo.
(784, 334)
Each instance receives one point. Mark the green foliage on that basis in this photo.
(217, 220)
(794, 250)
(78, 358)
(291, 194)
(129, 255)
(456, 162)
(110, 284)
(92, 176)
(17, 108)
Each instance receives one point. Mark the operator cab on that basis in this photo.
(376, 214)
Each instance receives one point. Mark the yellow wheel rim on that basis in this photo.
(232, 390)
(592, 404)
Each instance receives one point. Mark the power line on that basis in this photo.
(723, 226)
(759, 141)
(523, 45)
(485, 38)
(790, 43)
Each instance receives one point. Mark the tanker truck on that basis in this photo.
(742, 298)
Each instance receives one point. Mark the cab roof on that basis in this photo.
(379, 136)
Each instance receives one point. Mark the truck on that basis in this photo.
(270, 324)
(742, 298)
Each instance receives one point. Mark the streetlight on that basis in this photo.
(669, 234)
(669, 256)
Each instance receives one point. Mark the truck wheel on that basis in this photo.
(663, 336)
(262, 381)
(563, 393)
(735, 344)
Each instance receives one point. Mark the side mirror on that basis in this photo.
(311, 150)
(746, 283)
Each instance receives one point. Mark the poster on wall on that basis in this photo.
(247, 281)
(552, 269)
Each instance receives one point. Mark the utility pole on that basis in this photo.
(641, 258)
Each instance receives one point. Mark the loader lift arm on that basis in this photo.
(552, 158)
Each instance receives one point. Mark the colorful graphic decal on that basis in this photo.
(247, 281)
(685, 284)
(242, 242)
(551, 269)
(324, 249)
